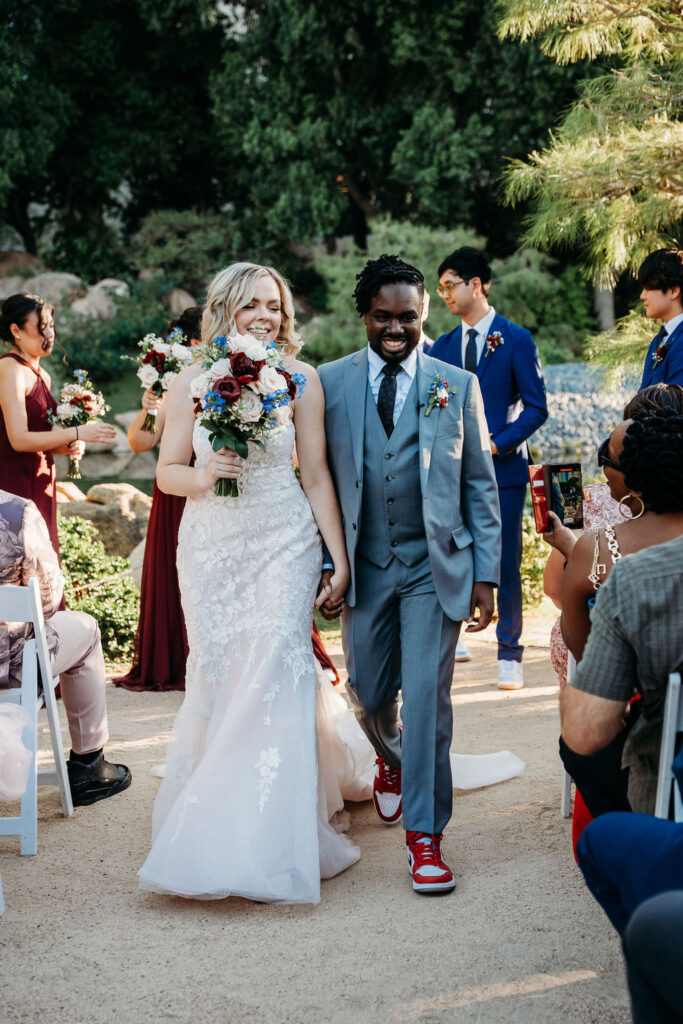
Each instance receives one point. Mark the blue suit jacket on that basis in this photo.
(670, 370)
(512, 387)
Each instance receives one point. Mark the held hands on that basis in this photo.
(559, 536)
(76, 449)
(482, 598)
(222, 465)
(151, 402)
(330, 599)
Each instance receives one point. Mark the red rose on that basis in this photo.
(229, 389)
(245, 370)
(291, 386)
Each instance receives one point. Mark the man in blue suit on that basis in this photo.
(661, 278)
(505, 360)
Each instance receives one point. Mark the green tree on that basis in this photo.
(610, 183)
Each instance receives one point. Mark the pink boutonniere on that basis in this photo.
(659, 354)
(493, 342)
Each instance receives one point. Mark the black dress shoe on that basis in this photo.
(96, 781)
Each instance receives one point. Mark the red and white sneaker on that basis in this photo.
(428, 868)
(386, 792)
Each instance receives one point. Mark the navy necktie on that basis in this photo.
(386, 399)
(661, 337)
(471, 351)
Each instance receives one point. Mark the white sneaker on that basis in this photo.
(462, 651)
(510, 675)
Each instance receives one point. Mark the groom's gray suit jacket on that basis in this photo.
(459, 495)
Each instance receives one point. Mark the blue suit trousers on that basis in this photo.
(509, 628)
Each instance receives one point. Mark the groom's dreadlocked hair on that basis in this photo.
(384, 270)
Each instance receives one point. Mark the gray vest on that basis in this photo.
(391, 516)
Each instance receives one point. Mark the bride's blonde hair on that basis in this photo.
(233, 288)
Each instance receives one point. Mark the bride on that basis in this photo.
(242, 809)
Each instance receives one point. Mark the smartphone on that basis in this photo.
(557, 487)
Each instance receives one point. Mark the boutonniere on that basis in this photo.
(438, 394)
(493, 342)
(659, 354)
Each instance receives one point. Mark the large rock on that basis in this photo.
(136, 558)
(177, 300)
(11, 286)
(58, 289)
(120, 513)
(98, 303)
(67, 490)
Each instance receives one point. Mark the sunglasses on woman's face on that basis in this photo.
(604, 458)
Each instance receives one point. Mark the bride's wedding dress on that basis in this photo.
(242, 809)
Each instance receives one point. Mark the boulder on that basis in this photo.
(124, 419)
(98, 303)
(119, 511)
(11, 285)
(18, 261)
(177, 300)
(58, 289)
(68, 491)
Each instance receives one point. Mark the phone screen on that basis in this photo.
(566, 494)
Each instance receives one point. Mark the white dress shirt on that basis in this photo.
(482, 328)
(671, 325)
(404, 378)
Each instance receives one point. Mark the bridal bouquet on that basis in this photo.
(158, 366)
(243, 392)
(79, 403)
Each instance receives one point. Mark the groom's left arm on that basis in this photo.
(478, 488)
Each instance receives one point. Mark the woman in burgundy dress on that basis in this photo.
(161, 643)
(28, 441)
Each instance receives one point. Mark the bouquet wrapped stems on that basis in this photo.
(150, 422)
(74, 470)
(226, 488)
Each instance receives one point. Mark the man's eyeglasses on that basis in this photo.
(444, 290)
(603, 456)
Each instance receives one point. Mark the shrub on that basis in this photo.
(96, 582)
(189, 246)
(97, 346)
(534, 556)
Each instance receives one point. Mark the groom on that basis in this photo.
(417, 490)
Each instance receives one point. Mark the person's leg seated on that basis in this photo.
(79, 663)
(628, 858)
(509, 628)
(654, 960)
(600, 779)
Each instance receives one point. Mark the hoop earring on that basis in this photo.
(631, 515)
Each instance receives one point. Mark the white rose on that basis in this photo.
(221, 368)
(250, 407)
(282, 414)
(167, 380)
(63, 410)
(252, 348)
(162, 347)
(148, 375)
(181, 352)
(270, 380)
(200, 384)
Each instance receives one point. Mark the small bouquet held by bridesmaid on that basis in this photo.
(158, 365)
(243, 392)
(79, 403)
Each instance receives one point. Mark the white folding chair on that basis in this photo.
(566, 798)
(22, 604)
(672, 724)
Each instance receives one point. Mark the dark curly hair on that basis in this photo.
(384, 270)
(652, 459)
(189, 322)
(656, 396)
(17, 309)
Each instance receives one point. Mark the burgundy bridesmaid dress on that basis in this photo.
(161, 641)
(32, 474)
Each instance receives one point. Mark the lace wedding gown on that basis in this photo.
(242, 809)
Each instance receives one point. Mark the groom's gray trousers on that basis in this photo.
(397, 637)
